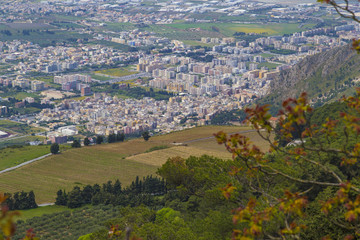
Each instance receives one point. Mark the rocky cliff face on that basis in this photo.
(323, 76)
(293, 81)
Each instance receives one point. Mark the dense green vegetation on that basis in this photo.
(226, 117)
(157, 148)
(282, 51)
(139, 192)
(20, 200)
(133, 92)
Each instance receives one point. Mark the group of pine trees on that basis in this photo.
(139, 192)
(20, 200)
(120, 137)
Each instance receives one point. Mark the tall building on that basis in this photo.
(37, 86)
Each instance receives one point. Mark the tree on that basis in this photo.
(99, 139)
(75, 199)
(112, 138)
(86, 141)
(146, 135)
(120, 137)
(61, 198)
(76, 144)
(54, 148)
(325, 158)
(31, 200)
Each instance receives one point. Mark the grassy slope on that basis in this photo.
(98, 164)
(10, 157)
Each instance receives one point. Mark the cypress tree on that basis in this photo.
(61, 198)
(87, 194)
(31, 200)
(75, 199)
(117, 187)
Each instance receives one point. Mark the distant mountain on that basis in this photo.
(324, 76)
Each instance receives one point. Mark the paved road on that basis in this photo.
(46, 204)
(25, 163)
(205, 138)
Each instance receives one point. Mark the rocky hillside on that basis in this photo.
(324, 77)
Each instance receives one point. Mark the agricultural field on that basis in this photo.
(24, 26)
(19, 140)
(15, 127)
(75, 167)
(123, 161)
(40, 33)
(228, 29)
(10, 157)
(115, 72)
(68, 224)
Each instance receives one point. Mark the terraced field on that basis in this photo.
(124, 161)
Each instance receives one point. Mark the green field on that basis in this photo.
(39, 33)
(37, 212)
(49, 80)
(19, 141)
(117, 72)
(100, 77)
(123, 161)
(228, 29)
(15, 127)
(10, 157)
(24, 26)
(18, 95)
(268, 65)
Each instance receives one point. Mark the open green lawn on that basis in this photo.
(100, 77)
(268, 65)
(100, 163)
